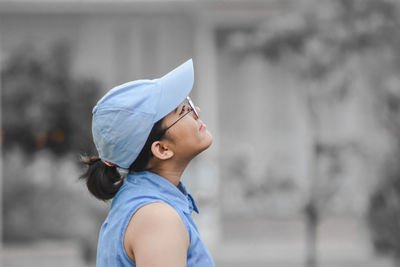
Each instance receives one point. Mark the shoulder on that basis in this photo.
(154, 229)
(157, 214)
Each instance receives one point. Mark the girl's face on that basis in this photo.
(188, 134)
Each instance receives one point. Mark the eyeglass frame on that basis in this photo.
(192, 108)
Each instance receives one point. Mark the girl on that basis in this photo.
(146, 132)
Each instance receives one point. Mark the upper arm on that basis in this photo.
(157, 236)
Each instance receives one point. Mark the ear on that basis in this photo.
(161, 151)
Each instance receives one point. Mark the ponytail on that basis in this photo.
(103, 181)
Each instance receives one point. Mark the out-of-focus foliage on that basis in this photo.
(46, 116)
(323, 34)
(343, 57)
(43, 199)
(43, 107)
(363, 37)
(384, 211)
(335, 44)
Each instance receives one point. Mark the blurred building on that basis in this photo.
(259, 164)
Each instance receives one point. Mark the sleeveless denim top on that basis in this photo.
(139, 189)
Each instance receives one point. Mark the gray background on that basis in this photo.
(301, 98)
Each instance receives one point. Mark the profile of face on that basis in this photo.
(186, 135)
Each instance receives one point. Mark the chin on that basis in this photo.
(207, 141)
(203, 143)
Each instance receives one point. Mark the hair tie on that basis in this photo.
(109, 164)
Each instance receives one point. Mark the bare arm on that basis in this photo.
(156, 236)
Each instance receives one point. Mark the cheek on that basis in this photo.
(197, 141)
(188, 136)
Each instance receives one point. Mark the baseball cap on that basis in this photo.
(124, 116)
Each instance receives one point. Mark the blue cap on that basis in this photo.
(124, 117)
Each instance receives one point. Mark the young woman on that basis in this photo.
(150, 130)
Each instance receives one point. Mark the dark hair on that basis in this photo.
(104, 181)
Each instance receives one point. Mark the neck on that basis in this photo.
(171, 172)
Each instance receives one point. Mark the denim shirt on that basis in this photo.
(139, 189)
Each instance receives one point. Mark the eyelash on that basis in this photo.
(183, 109)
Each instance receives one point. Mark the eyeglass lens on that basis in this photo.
(192, 106)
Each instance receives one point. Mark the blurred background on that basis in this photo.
(302, 98)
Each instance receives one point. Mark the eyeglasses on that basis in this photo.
(192, 108)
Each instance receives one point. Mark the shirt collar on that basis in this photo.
(178, 195)
(192, 203)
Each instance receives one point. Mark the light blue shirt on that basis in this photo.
(138, 190)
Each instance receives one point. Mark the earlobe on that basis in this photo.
(161, 151)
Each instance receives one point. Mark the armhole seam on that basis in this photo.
(132, 213)
(125, 226)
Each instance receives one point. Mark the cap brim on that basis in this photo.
(175, 87)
